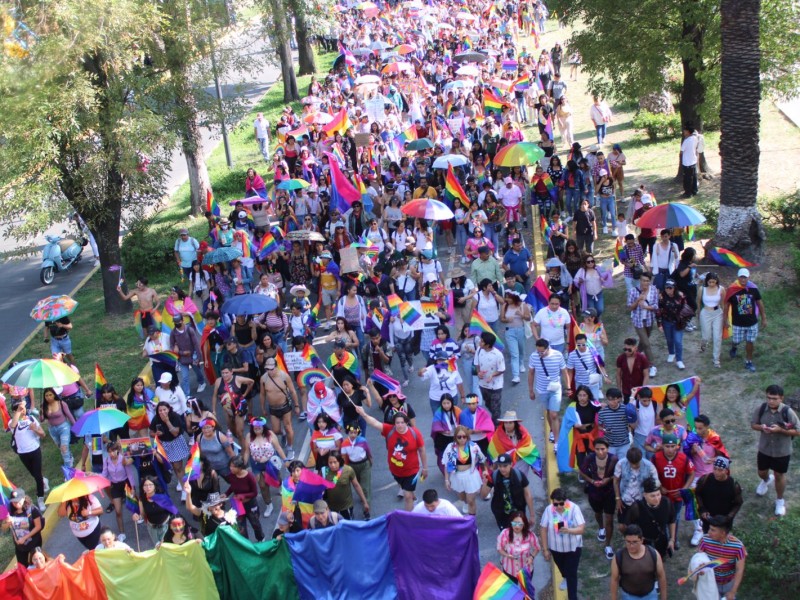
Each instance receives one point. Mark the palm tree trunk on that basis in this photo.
(739, 226)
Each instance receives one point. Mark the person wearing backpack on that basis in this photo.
(26, 524)
(405, 447)
(777, 425)
(509, 492)
(637, 572)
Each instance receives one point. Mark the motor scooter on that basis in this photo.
(59, 255)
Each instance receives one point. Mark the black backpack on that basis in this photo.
(784, 412)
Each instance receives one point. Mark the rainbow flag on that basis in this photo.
(467, 44)
(524, 449)
(308, 490)
(313, 315)
(272, 475)
(509, 65)
(238, 506)
(99, 382)
(268, 245)
(689, 401)
(691, 511)
(548, 128)
(493, 584)
(211, 204)
(165, 357)
(281, 361)
(5, 418)
(492, 104)
(620, 255)
(340, 123)
(193, 468)
(574, 330)
(138, 416)
(349, 362)
(409, 314)
(6, 487)
(308, 377)
(159, 448)
(717, 562)
(691, 234)
(525, 582)
(383, 379)
(309, 354)
(452, 188)
(726, 258)
(394, 302)
(131, 501)
(477, 325)
(522, 82)
(538, 296)
(97, 444)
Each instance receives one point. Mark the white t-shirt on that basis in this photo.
(175, 398)
(510, 197)
(84, 527)
(444, 382)
(27, 440)
(445, 508)
(490, 361)
(262, 128)
(689, 151)
(552, 324)
(646, 419)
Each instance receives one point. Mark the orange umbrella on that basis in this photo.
(396, 67)
(405, 49)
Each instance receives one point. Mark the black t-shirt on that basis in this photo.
(653, 521)
(583, 221)
(587, 414)
(348, 410)
(55, 330)
(165, 435)
(154, 513)
(743, 307)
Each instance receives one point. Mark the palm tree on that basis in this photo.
(739, 226)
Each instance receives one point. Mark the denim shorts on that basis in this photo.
(552, 400)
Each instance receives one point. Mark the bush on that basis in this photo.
(657, 126)
(773, 554)
(784, 211)
(710, 210)
(147, 249)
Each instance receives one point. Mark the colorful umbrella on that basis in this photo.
(405, 49)
(293, 184)
(224, 254)
(53, 308)
(248, 201)
(77, 487)
(518, 155)
(98, 421)
(671, 214)
(40, 373)
(365, 5)
(458, 83)
(427, 208)
(396, 67)
(421, 144)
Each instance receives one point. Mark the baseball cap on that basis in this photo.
(504, 459)
(320, 390)
(668, 438)
(184, 231)
(18, 495)
(270, 363)
(165, 378)
(743, 272)
(590, 312)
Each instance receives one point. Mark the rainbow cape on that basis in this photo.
(569, 437)
(340, 123)
(211, 204)
(452, 188)
(99, 382)
(6, 487)
(689, 397)
(349, 362)
(193, 467)
(493, 584)
(726, 258)
(477, 325)
(524, 450)
(308, 490)
(138, 412)
(308, 377)
(440, 423)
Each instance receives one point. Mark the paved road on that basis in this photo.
(21, 276)
(384, 489)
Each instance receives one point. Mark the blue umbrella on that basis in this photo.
(99, 421)
(249, 304)
(224, 254)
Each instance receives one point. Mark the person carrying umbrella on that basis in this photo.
(83, 513)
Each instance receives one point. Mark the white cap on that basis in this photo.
(165, 378)
(743, 272)
(647, 199)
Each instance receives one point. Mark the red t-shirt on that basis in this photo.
(672, 473)
(402, 449)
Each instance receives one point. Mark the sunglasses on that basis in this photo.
(669, 421)
(461, 437)
(558, 503)
(517, 523)
(590, 262)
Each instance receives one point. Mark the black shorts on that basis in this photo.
(779, 464)
(117, 490)
(280, 411)
(604, 504)
(407, 484)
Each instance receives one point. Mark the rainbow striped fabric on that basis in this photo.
(453, 190)
(341, 123)
(492, 104)
(99, 382)
(211, 204)
(193, 467)
(727, 258)
(6, 487)
(689, 397)
(267, 246)
(524, 449)
(477, 325)
(493, 584)
(522, 82)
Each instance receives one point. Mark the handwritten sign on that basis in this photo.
(295, 362)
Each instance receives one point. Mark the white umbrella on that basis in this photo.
(445, 26)
(469, 71)
(457, 160)
(458, 83)
(362, 79)
(465, 16)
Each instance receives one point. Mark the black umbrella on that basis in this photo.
(470, 57)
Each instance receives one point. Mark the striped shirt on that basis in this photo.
(642, 317)
(584, 365)
(615, 424)
(546, 369)
(731, 550)
(571, 517)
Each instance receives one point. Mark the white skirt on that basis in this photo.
(468, 481)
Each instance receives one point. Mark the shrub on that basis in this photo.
(773, 553)
(710, 210)
(657, 126)
(147, 249)
(784, 211)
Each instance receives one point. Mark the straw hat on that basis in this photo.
(509, 416)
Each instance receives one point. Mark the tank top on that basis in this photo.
(637, 575)
(243, 334)
(711, 300)
(261, 451)
(352, 314)
(214, 451)
(514, 316)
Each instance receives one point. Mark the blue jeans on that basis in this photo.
(461, 239)
(678, 506)
(263, 146)
(184, 378)
(601, 132)
(619, 451)
(61, 435)
(521, 109)
(674, 339)
(638, 441)
(515, 342)
(597, 303)
(608, 208)
(630, 283)
(653, 595)
(589, 195)
(492, 235)
(573, 199)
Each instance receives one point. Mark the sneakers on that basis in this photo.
(716, 364)
(268, 512)
(680, 365)
(605, 229)
(405, 383)
(46, 484)
(601, 535)
(122, 537)
(110, 507)
(302, 416)
(489, 496)
(178, 487)
(609, 551)
(290, 454)
(697, 536)
(515, 380)
(201, 388)
(563, 585)
(671, 358)
(748, 364)
(367, 516)
(732, 352)
(552, 438)
(653, 371)
(463, 507)
(400, 493)
(522, 368)
(41, 504)
(780, 507)
(763, 486)
(555, 448)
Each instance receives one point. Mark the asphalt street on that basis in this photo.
(21, 275)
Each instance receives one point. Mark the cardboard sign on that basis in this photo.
(361, 139)
(348, 260)
(295, 362)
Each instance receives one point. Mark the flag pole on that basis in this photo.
(324, 368)
(136, 529)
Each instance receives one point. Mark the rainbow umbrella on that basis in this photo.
(53, 308)
(405, 49)
(98, 421)
(396, 67)
(293, 184)
(671, 214)
(40, 373)
(77, 487)
(519, 155)
(427, 208)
